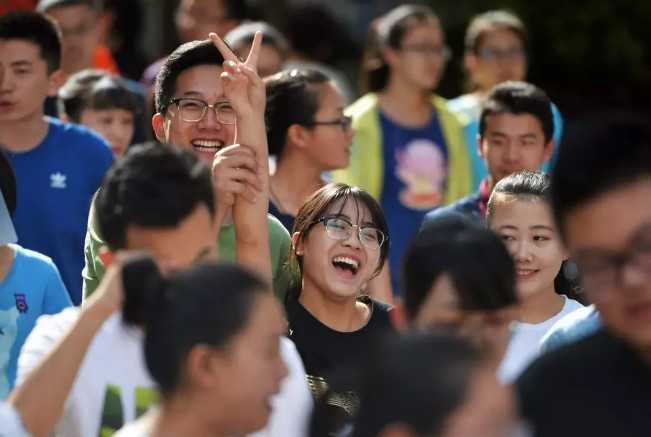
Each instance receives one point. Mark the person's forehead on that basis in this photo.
(525, 210)
(71, 13)
(354, 208)
(19, 48)
(499, 36)
(428, 29)
(201, 79)
(522, 123)
(610, 220)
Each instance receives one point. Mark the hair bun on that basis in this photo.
(143, 287)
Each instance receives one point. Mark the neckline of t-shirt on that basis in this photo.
(367, 300)
(559, 315)
(413, 129)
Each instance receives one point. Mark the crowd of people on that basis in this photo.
(233, 247)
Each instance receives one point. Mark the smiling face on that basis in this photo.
(329, 145)
(527, 228)
(255, 368)
(512, 143)
(24, 80)
(204, 137)
(115, 125)
(337, 268)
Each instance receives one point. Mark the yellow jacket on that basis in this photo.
(366, 169)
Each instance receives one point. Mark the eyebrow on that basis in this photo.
(22, 63)
(543, 227)
(199, 96)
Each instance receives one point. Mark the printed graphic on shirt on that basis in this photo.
(21, 303)
(58, 180)
(8, 332)
(113, 410)
(421, 167)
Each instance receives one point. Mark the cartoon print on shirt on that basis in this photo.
(8, 332)
(421, 167)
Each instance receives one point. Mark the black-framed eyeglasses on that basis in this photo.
(345, 123)
(193, 110)
(440, 52)
(601, 272)
(339, 228)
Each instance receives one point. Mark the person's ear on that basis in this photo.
(480, 149)
(391, 56)
(298, 135)
(161, 126)
(549, 150)
(297, 244)
(55, 80)
(202, 366)
(470, 61)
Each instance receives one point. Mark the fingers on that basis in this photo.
(226, 52)
(254, 53)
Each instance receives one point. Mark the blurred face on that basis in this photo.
(500, 56)
(254, 368)
(80, 36)
(527, 228)
(204, 137)
(488, 410)
(512, 143)
(329, 144)
(421, 58)
(195, 19)
(115, 125)
(270, 60)
(177, 248)
(441, 310)
(24, 81)
(599, 233)
(338, 268)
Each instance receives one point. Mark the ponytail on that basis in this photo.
(144, 290)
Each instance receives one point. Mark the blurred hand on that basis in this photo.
(235, 173)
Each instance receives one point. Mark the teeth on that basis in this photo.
(525, 272)
(208, 143)
(346, 260)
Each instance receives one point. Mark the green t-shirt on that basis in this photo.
(279, 244)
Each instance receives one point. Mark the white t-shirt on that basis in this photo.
(10, 423)
(524, 346)
(113, 386)
(292, 406)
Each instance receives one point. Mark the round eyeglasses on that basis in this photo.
(338, 228)
(193, 110)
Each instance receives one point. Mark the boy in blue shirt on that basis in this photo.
(30, 285)
(58, 166)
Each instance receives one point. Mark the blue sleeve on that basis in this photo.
(56, 297)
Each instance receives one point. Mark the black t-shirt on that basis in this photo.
(325, 351)
(598, 386)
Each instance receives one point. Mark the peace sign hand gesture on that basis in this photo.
(242, 85)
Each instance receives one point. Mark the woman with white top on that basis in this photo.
(519, 211)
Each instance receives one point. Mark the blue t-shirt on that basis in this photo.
(55, 184)
(32, 287)
(415, 177)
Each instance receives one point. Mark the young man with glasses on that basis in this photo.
(601, 385)
(193, 112)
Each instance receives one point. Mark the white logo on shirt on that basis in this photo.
(57, 180)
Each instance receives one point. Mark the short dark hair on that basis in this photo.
(602, 153)
(388, 31)
(474, 258)
(98, 90)
(216, 298)
(243, 35)
(518, 98)
(36, 29)
(489, 21)
(523, 183)
(45, 5)
(153, 185)
(186, 56)
(292, 98)
(8, 183)
(318, 203)
(418, 380)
